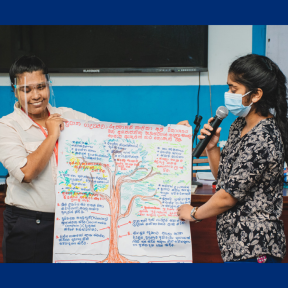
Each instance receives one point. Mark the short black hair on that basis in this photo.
(26, 63)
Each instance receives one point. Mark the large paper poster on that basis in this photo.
(117, 193)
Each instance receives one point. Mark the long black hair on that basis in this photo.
(26, 63)
(254, 72)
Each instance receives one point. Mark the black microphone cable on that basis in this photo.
(197, 122)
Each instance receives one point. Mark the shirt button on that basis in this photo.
(38, 221)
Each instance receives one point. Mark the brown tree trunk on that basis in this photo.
(114, 256)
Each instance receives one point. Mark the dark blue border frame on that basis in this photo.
(143, 275)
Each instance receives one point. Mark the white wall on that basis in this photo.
(225, 44)
(276, 48)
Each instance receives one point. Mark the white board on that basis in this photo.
(117, 193)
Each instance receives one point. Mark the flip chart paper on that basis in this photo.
(117, 193)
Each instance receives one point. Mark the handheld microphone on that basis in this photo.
(221, 113)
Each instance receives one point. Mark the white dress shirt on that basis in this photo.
(20, 136)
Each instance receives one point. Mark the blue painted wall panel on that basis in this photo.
(135, 104)
(146, 104)
(259, 39)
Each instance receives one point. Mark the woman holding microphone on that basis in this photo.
(249, 170)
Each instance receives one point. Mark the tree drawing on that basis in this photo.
(114, 201)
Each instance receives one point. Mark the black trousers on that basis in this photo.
(28, 236)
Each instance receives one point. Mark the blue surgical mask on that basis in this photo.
(233, 102)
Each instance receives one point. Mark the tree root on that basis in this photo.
(117, 259)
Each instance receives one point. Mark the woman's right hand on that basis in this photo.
(55, 124)
(206, 131)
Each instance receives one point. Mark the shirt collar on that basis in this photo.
(24, 120)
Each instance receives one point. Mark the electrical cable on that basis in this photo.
(198, 96)
(198, 103)
(197, 120)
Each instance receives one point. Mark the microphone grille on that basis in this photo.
(222, 112)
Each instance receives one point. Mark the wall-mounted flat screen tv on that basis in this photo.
(108, 49)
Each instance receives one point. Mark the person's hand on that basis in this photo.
(185, 123)
(184, 212)
(55, 124)
(206, 131)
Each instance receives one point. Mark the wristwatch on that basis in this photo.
(193, 211)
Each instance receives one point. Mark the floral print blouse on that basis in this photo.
(251, 170)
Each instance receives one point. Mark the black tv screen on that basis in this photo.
(108, 49)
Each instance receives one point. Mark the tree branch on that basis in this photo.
(101, 164)
(83, 160)
(141, 179)
(129, 175)
(109, 173)
(143, 197)
(105, 196)
(116, 167)
(119, 184)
